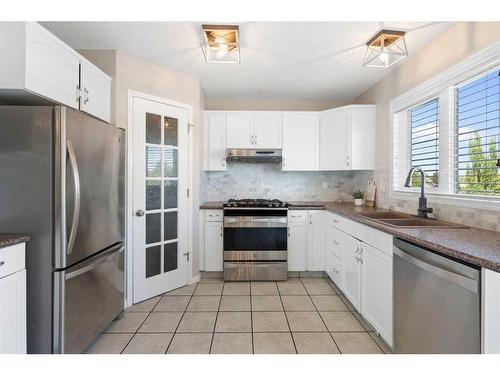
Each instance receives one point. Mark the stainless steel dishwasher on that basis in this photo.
(437, 304)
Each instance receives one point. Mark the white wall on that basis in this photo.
(447, 49)
(129, 72)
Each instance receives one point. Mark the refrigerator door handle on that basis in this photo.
(76, 203)
(99, 260)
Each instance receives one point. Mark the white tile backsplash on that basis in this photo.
(268, 181)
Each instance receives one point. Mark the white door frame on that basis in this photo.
(129, 176)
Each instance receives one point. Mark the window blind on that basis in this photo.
(478, 135)
(424, 125)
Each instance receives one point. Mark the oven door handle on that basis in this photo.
(255, 222)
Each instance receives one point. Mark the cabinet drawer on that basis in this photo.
(334, 268)
(12, 259)
(340, 222)
(297, 215)
(213, 215)
(335, 241)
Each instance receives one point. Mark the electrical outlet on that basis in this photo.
(325, 184)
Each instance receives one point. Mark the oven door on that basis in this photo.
(255, 235)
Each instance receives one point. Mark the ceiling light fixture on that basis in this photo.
(221, 44)
(386, 48)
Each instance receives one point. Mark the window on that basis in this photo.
(450, 126)
(478, 135)
(424, 122)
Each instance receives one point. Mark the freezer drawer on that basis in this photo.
(88, 297)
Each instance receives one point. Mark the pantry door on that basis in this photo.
(160, 198)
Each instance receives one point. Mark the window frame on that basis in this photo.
(442, 86)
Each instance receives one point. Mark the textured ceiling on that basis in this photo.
(279, 60)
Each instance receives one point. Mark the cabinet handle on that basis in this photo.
(85, 96)
(78, 93)
(255, 139)
(347, 160)
(335, 221)
(2, 263)
(224, 163)
(335, 242)
(283, 162)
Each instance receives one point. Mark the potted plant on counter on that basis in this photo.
(358, 197)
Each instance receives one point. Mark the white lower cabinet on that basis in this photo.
(12, 300)
(306, 240)
(352, 271)
(316, 241)
(213, 241)
(359, 261)
(376, 291)
(297, 242)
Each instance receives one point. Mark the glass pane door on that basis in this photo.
(161, 189)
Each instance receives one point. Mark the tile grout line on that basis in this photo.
(180, 320)
(362, 325)
(216, 317)
(140, 325)
(286, 317)
(251, 318)
(329, 332)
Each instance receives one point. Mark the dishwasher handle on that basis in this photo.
(465, 282)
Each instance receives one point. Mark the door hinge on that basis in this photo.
(188, 193)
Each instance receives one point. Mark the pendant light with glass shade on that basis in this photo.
(386, 48)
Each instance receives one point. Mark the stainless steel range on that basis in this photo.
(255, 239)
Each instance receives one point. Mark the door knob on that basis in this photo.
(139, 212)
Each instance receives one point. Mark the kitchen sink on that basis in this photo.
(415, 222)
(386, 215)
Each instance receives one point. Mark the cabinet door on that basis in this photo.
(376, 291)
(239, 133)
(335, 143)
(95, 91)
(316, 241)
(213, 246)
(215, 142)
(363, 138)
(297, 246)
(300, 142)
(352, 271)
(13, 313)
(52, 68)
(268, 129)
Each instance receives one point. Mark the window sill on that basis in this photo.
(482, 203)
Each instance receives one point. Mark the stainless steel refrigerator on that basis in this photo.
(62, 180)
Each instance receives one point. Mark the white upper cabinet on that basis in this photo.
(38, 68)
(95, 91)
(335, 145)
(347, 138)
(268, 130)
(260, 130)
(300, 141)
(215, 141)
(239, 130)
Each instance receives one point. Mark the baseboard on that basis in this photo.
(195, 279)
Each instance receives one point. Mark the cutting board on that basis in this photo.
(370, 192)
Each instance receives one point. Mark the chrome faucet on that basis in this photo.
(422, 210)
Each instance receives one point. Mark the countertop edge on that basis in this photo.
(11, 239)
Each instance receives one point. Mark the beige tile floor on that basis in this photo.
(301, 315)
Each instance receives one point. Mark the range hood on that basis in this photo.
(249, 155)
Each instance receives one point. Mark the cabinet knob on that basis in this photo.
(2, 263)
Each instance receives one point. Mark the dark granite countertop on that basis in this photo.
(480, 247)
(212, 206)
(13, 239)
